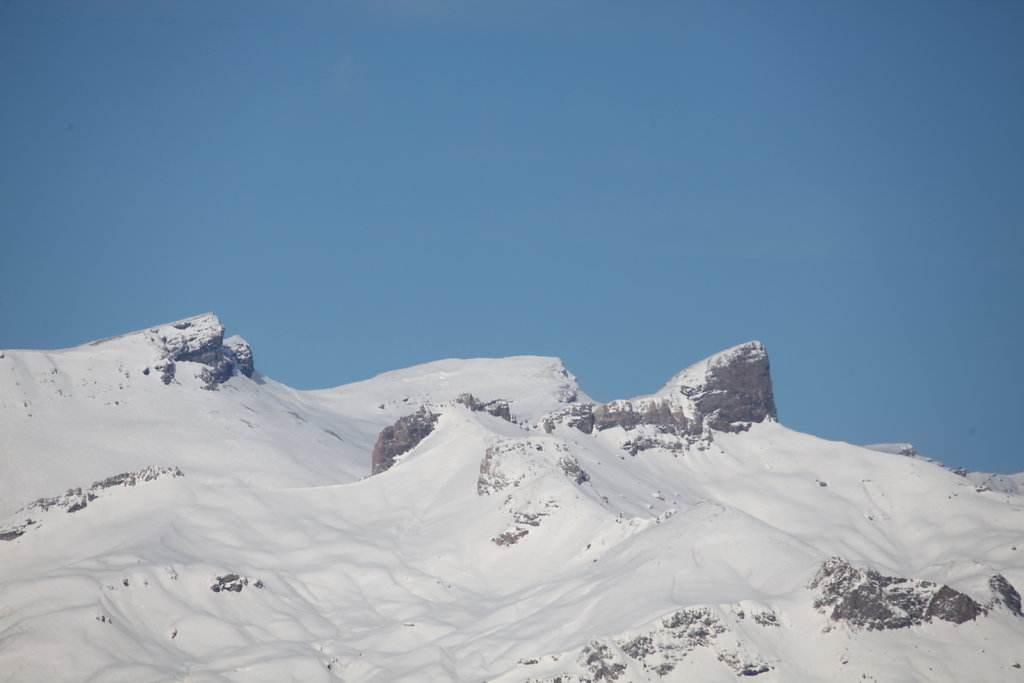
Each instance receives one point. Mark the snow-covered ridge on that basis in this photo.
(533, 385)
(73, 500)
(725, 393)
(514, 530)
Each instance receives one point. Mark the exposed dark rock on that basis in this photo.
(639, 647)
(868, 599)
(736, 391)
(233, 583)
(217, 373)
(578, 415)
(526, 515)
(754, 669)
(766, 619)
(401, 437)
(582, 418)
(167, 369)
(240, 353)
(491, 477)
(661, 647)
(133, 478)
(498, 407)
(676, 635)
(201, 340)
(696, 625)
(618, 414)
(509, 537)
(1005, 593)
(572, 469)
(950, 605)
(77, 499)
(663, 414)
(79, 503)
(727, 392)
(644, 443)
(603, 663)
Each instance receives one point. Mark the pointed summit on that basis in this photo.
(733, 386)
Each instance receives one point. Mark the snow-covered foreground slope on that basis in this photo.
(521, 533)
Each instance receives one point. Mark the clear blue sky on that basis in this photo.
(356, 187)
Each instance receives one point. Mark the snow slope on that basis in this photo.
(567, 542)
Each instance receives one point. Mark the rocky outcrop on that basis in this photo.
(865, 598)
(659, 413)
(660, 648)
(1005, 594)
(401, 437)
(498, 407)
(200, 340)
(526, 515)
(578, 415)
(238, 351)
(603, 663)
(79, 498)
(730, 390)
(511, 462)
(233, 583)
(727, 393)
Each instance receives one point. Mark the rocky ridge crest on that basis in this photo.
(726, 392)
(200, 340)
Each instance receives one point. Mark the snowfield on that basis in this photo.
(684, 535)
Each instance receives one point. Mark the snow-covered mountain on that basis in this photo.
(169, 513)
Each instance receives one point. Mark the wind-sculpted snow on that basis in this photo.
(520, 531)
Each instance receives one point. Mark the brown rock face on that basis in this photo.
(401, 437)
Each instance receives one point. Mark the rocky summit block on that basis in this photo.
(726, 392)
(201, 340)
(731, 389)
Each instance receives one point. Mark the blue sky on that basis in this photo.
(356, 187)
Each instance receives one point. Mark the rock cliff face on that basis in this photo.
(1004, 593)
(401, 437)
(238, 351)
(731, 389)
(200, 340)
(726, 393)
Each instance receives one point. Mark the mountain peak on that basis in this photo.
(200, 339)
(736, 383)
